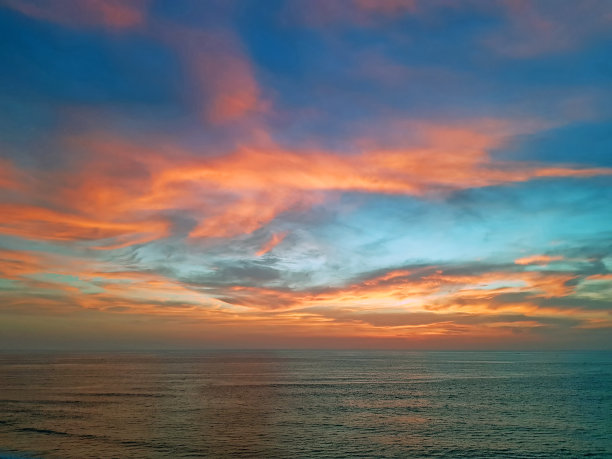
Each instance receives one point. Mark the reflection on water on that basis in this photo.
(306, 404)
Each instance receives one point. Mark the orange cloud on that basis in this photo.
(601, 277)
(405, 304)
(537, 260)
(33, 222)
(249, 212)
(452, 157)
(276, 239)
(117, 14)
(414, 291)
(14, 264)
(121, 187)
(267, 182)
(10, 178)
(82, 283)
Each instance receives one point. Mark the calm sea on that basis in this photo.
(307, 404)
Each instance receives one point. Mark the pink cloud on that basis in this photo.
(534, 29)
(223, 83)
(117, 14)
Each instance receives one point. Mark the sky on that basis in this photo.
(305, 174)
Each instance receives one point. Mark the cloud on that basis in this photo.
(11, 179)
(489, 301)
(365, 13)
(537, 259)
(426, 288)
(33, 222)
(389, 7)
(276, 239)
(353, 170)
(14, 263)
(549, 27)
(221, 75)
(114, 14)
(118, 194)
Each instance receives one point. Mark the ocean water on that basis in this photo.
(307, 404)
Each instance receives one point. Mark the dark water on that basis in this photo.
(307, 404)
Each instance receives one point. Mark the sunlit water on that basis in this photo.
(307, 404)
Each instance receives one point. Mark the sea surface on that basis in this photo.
(306, 404)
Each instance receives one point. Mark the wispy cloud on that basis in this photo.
(115, 14)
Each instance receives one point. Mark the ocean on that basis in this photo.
(306, 404)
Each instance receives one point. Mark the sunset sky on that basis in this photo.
(329, 174)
